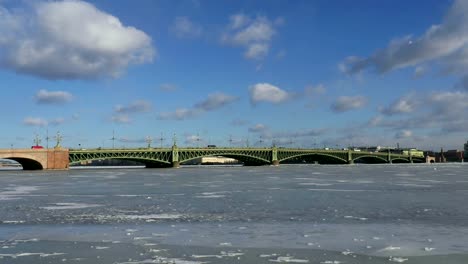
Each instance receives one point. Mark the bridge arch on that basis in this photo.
(245, 158)
(371, 159)
(330, 157)
(400, 160)
(149, 163)
(27, 163)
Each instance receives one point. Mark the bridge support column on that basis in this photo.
(350, 157)
(274, 156)
(389, 157)
(175, 156)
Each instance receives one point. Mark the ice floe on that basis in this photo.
(69, 206)
(397, 259)
(288, 259)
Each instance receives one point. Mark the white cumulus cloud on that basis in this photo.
(69, 39)
(35, 121)
(403, 105)
(52, 97)
(254, 34)
(258, 128)
(265, 92)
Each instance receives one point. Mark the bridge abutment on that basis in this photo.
(37, 159)
(275, 163)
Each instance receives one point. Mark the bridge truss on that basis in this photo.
(167, 157)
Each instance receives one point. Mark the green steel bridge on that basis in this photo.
(174, 156)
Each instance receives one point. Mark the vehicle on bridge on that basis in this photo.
(37, 147)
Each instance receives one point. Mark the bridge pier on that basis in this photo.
(350, 157)
(175, 156)
(274, 156)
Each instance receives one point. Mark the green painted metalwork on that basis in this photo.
(175, 153)
(161, 156)
(250, 156)
(274, 154)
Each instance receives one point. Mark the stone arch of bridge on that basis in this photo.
(333, 157)
(149, 163)
(246, 159)
(371, 159)
(27, 163)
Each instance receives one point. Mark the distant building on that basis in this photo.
(453, 155)
(218, 160)
(413, 152)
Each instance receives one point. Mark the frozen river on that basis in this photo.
(286, 214)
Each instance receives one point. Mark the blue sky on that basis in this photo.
(297, 73)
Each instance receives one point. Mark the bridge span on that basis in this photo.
(58, 158)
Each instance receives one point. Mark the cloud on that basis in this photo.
(193, 139)
(41, 122)
(212, 103)
(419, 71)
(403, 105)
(215, 101)
(167, 87)
(254, 34)
(52, 97)
(404, 134)
(446, 43)
(139, 106)
(440, 112)
(121, 119)
(301, 133)
(258, 128)
(69, 40)
(57, 121)
(182, 27)
(35, 121)
(265, 92)
(131, 140)
(311, 90)
(239, 122)
(347, 103)
(179, 114)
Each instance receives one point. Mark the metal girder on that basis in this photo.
(256, 156)
(151, 156)
(286, 154)
(248, 154)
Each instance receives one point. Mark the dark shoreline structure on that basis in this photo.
(466, 151)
